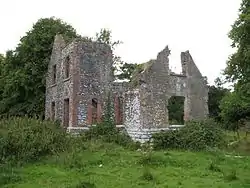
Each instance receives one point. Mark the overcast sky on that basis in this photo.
(145, 26)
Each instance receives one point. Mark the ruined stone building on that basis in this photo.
(80, 79)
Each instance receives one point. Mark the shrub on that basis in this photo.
(231, 176)
(107, 132)
(196, 135)
(73, 161)
(26, 139)
(213, 167)
(148, 159)
(147, 175)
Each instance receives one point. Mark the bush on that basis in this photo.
(108, 132)
(26, 139)
(231, 175)
(213, 167)
(147, 159)
(196, 135)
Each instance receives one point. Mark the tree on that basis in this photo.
(233, 110)
(215, 95)
(105, 36)
(238, 66)
(127, 69)
(25, 68)
(235, 106)
(1, 62)
(2, 59)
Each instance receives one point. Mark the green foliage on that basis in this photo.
(24, 139)
(109, 111)
(127, 69)
(231, 175)
(215, 95)
(148, 159)
(196, 135)
(105, 36)
(176, 110)
(24, 74)
(147, 175)
(84, 184)
(120, 167)
(8, 175)
(109, 133)
(213, 167)
(233, 109)
(238, 64)
(236, 105)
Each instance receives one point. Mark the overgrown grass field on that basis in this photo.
(109, 165)
(95, 163)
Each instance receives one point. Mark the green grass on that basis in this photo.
(104, 165)
(238, 145)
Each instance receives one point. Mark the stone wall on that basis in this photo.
(196, 106)
(142, 107)
(94, 80)
(132, 110)
(90, 77)
(156, 85)
(63, 87)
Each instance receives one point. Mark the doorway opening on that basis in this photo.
(94, 110)
(176, 110)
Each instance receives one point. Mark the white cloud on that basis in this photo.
(145, 26)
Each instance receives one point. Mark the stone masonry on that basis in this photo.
(146, 105)
(80, 79)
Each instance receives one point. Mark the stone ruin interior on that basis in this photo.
(80, 80)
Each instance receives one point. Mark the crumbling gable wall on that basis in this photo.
(196, 100)
(155, 85)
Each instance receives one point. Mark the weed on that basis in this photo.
(213, 167)
(147, 175)
(231, 176)
(84, 184)
(8, 175)
(149, 159)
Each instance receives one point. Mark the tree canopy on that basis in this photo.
(235, 106)
(24, 69)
